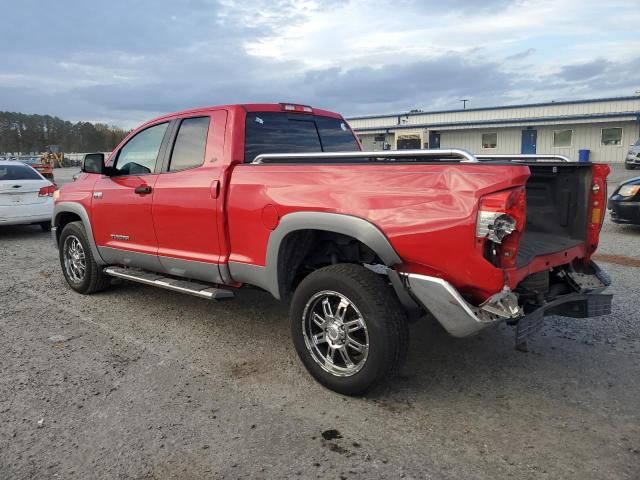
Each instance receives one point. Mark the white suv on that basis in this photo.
(633, 156)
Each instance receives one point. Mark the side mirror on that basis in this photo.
(93, 163)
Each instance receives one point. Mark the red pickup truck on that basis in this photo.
(282, 198)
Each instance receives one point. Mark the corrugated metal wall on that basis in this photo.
(586, 132)
(584, 137)
(549, 110)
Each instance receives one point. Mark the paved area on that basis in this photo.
(147, 384)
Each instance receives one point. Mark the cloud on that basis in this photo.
(584, 71)
(124, 62)
(521, 55)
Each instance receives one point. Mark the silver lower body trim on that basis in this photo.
(454, 313)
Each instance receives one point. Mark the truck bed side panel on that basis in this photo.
(427, 211)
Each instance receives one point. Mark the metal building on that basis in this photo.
(604, 126)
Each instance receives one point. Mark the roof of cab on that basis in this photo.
(247, 107)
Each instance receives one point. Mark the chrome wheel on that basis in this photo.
(75, 264)
(335, 333)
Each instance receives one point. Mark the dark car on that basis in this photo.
(625, 202)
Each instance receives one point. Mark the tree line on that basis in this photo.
(24, 133)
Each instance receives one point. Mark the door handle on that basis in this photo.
(143, 189)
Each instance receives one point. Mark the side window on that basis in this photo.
(139, 155)
(188, 150)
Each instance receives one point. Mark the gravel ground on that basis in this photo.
(148, 384)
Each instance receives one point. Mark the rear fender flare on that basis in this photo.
(267, 277)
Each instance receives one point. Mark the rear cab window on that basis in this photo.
(281, 132)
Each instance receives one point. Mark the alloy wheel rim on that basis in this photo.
(335, 333)
(75, 264)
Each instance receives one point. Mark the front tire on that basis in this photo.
(348, 328)
(82, 272)
(46, 226)
(629, 167)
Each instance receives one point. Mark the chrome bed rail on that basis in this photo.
(523, 157)
(444, 153)
(464, 156)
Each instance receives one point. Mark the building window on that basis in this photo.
(489, 140)
(408, 142)
(611, 136)
(562, 138)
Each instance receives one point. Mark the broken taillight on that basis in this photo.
(501, 220)
(597, 205)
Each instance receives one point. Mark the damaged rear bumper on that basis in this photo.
(457, 316)
(461, 319)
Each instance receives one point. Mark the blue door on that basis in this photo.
(434, 140)
(529, 140)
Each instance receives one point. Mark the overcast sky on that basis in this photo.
(125, 61)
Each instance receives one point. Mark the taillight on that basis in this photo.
(47, 191)
(597, 205)
(501, 220)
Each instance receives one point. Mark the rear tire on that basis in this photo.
(82, 272)
(348, 328)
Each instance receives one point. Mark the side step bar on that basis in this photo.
(202, 290)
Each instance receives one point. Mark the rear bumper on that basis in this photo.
(26, 213)
(444, 302)
(461, 319)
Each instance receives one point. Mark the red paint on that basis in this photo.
(121, 211)
(428, 212)
(270, 217)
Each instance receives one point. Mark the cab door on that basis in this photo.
(121, 204)
(187, 198)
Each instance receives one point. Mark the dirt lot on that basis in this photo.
(141, 383)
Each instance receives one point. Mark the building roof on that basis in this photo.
(503, 107)
(629, 116)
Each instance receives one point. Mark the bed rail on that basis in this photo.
(523, 157)
(460, 154)
(444, 153)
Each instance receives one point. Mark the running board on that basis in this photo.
(202, 290)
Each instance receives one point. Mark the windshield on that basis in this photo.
(280, 132)
(18, 172)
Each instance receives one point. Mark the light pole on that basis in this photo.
(464, 103)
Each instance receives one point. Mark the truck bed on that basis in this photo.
(557, 207)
